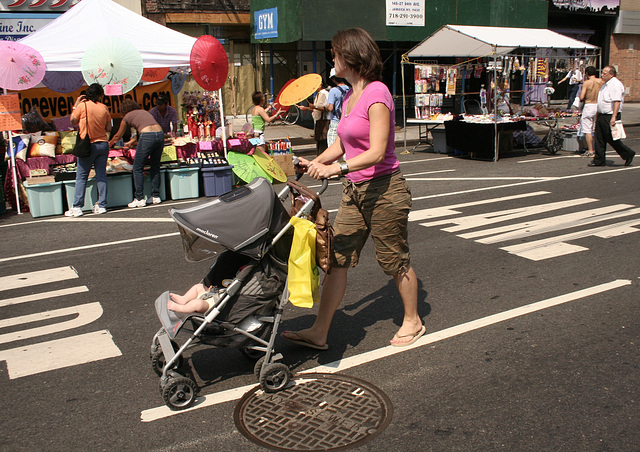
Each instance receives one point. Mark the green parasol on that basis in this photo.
(246, 167)
(269, 165)
(112, 61)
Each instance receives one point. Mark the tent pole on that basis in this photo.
(495, 105)
(404, 105)
(223, 123)
(13, 165)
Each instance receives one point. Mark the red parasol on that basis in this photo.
(63, 81)
(209, 63)
(21, 67)
(154, 74)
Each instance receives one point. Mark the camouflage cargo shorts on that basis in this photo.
(379, 207)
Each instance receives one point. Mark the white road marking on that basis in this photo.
(21, 280)
(432, 179)
(484, 219)
(103, 219)
(60, 353)
(551, 158)
(160, 412)
(83, 315)
(43, 295)
(88, 247)
(437, 212)
(555, 246)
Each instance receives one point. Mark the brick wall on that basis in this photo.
(625, 57)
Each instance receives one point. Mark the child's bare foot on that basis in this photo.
(172, 306)
(179, 299)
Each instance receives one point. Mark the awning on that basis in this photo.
(475, 41)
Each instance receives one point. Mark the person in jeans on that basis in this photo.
(90, 107)
(150, 141)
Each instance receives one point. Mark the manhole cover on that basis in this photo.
(320, 412)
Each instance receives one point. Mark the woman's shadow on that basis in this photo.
(351, 323)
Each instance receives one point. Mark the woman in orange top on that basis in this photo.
(90, 107)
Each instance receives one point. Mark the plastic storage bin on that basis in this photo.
(163, 185)
(570, 141)
(119, 189)
(90, 193)
(217, 181)
(45, 199)
(183, 183)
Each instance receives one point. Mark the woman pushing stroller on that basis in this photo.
(376, 199)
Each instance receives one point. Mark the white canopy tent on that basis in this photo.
(477, 41)
(63, 41)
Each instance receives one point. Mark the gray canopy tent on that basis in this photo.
(490, 42)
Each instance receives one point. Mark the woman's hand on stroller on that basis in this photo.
(317, 170)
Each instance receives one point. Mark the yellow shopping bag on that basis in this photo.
(304, 277)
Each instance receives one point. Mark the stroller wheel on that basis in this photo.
(158, 362)
(179, 393)
(258, 368)
(275, 377)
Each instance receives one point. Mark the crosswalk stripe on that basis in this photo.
(60, 353)
(43, 295)
(21, 280)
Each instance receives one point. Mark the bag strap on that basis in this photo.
(86, 118)
(304, 190)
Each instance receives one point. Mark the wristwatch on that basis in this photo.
(344, 168)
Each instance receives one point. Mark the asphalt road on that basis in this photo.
(528, 273)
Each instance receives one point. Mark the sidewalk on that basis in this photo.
(303, 142)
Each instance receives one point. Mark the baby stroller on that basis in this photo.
(248, 230)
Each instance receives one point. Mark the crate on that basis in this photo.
(183, 183)
(570, 141)
(119, 189)
(45, 199)
(285, 161)
(163, 185)
(217, 181)
(90, 193)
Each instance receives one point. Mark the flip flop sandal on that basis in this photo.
(414, 337)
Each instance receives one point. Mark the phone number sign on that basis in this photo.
(405, 13)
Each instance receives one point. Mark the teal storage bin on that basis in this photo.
(119, 189)
(163, 185)
(217, 181)
(45, 199)
(183, 183)
(90, 193)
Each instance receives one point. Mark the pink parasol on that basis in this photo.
(21, 67)
(63, 81)
(209, 63)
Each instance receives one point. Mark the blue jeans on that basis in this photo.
(97, 159)
(150, 146)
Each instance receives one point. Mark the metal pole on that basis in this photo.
(495, 106)
(222, 121)
(404, 106)
(271, 71)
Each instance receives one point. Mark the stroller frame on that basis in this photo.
(179, 391)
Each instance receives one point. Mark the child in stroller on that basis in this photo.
(249, 280)
(197, 299)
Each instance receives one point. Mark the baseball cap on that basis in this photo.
(332, 73)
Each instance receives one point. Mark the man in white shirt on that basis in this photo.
(610, 100)
(575, 79)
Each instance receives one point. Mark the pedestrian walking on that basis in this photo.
(610, 102)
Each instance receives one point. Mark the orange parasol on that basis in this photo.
(154, 74)
(300, 89)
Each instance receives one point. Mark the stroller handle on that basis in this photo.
(325, 182)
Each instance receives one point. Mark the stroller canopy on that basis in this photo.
(245, 220)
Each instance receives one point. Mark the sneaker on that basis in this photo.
(98, 209)
(137, 203)
(73, 212)
(154, 200)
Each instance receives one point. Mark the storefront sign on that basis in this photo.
(56, 105)
(606, 7)
(266, 23)
(18, 26)
(408, 13)
(37, 6)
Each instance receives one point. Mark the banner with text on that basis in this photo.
(408, 13)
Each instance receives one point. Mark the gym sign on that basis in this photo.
(266, 23)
